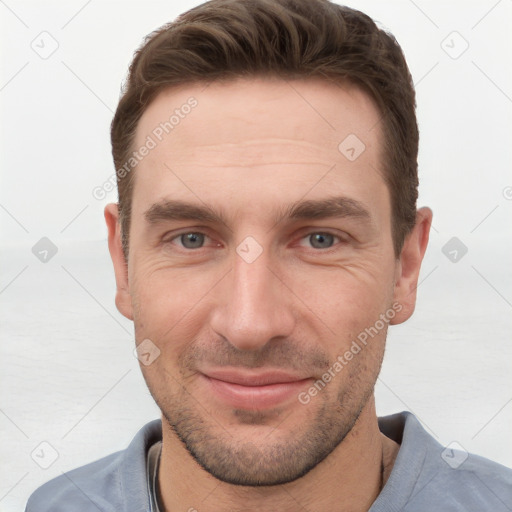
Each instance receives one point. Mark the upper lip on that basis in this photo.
(248, 377)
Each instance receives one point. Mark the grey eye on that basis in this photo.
(321, 240)
(192, 240)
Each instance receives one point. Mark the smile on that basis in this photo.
(246, 390)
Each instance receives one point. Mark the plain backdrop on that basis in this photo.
(69, 378)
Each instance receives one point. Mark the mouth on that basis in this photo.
(252, 390)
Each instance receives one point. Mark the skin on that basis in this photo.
(250, 149)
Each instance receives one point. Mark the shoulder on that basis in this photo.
(429, 476)
(93, 486)
(465, 481)
(455, 481)
(106, 484)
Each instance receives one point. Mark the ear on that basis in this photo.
(123, 298)
(409, 264)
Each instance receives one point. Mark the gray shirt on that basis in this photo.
(425, 477)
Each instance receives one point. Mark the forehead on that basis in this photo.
(312, 110)
(265, 138)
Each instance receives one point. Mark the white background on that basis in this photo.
(68, 375)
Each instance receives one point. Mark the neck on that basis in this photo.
(352, 475)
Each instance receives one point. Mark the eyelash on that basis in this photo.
(338, 240)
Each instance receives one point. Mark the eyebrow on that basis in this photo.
(169, 209)
(324, 208)
(340, 206)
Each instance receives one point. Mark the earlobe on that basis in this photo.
(123, 298)
(409, 265)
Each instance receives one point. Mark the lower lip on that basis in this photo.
(254, 397)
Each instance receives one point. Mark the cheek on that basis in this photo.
(169, 302)
(346, 299)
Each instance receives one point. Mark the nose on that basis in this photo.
(255, 305)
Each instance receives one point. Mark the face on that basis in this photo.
(261, 266)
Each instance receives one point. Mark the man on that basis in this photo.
(265, 238)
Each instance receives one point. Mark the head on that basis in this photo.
(266, 154)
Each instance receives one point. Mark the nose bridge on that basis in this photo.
(254, 308)
(252, 287)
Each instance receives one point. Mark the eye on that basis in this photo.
(321, 240)
(191, 240)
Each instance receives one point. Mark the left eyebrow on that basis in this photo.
(331, 207)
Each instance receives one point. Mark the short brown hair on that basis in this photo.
(223, 39)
